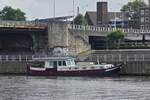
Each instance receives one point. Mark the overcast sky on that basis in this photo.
(44, 8)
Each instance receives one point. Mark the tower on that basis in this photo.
(102, 14)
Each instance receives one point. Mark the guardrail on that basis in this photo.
(107, 29)
(120, 57)
(100, 57)
(5, 58)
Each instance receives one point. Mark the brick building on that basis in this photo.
(145, 17)
(102, 17)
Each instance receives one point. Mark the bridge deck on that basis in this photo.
(22, 24)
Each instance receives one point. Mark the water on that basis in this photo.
(74, 88)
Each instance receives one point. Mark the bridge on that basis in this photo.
(41, 25)
(42, 36)
(23, 37)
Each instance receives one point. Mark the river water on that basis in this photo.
(74, 88)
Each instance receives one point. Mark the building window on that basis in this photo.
(146, 19)
(142, 26)
(147, 27)
(142, 12)
(142, 19)
(146, 12)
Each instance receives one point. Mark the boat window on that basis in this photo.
(55, 64)
(68, 62)
(37, 64)
(59, 63)
(64, 63)
(72, 62)
(51, 63)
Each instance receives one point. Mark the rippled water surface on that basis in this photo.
(74, 88)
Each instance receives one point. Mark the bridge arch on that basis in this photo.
(15, 43)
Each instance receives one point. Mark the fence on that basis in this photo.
(107, 29)
(94, 57)
(120, 57)
(5, 58)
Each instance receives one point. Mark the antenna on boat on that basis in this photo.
(98, 60)
(54, 9)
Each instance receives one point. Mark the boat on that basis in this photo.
(66, 66)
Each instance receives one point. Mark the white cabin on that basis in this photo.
(53, 62)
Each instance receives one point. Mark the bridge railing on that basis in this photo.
(106, 29)
(21, 24)
(100, 57)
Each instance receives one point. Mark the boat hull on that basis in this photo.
(95, 72)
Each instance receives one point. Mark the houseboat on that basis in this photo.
(66, 66)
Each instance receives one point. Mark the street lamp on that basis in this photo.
(73, 10)
(54, 8)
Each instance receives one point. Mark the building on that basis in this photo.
(102, 17)
(102, 14)
(145, 18)
(144, 13)
(91, 18)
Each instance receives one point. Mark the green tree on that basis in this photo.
(115, 38)
(133, 8)
(8, 13)
(79, 19)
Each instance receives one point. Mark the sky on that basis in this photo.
(44, 8)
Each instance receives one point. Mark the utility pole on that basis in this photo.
(73, 11)
(54, 8)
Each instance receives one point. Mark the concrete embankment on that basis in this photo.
(12, 67)
(136, 68)
(135, 61)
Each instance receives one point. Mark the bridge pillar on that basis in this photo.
(57, 34)
(35, 43)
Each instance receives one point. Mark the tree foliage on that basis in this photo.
(8, 13)
(116, 35)
(133, 8)
(79, 19)
(115, 38)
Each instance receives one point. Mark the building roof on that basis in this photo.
(120, 16)
(92, 16)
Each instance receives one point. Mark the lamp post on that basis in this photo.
(73, 10)
(54, 8)
(123, 20)
(115, 22)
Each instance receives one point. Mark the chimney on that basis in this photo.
(102, 14)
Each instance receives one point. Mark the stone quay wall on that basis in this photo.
(134, 62)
